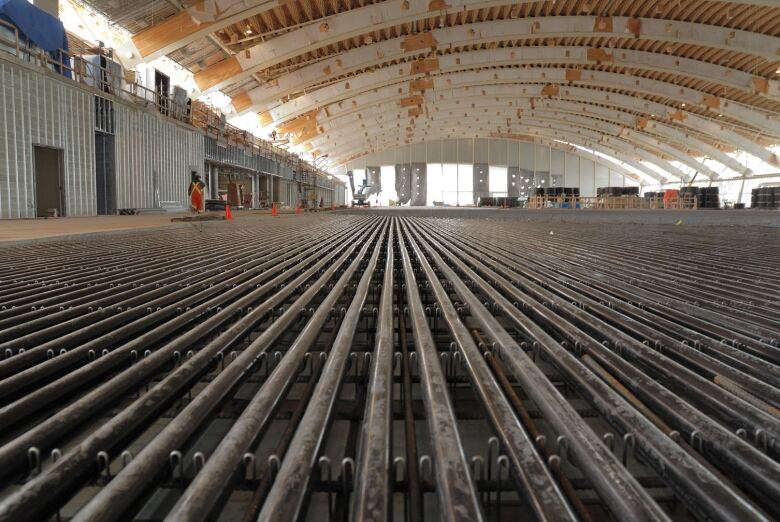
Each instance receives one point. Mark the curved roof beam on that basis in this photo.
(558, 145)
(637, 139)
(646, 146)
(625, 120)
(344, 113)
(387, 14)
(266, 96)
(195, 22)
(331, 30)
(348, 89)
(455, 127)
(630, 122)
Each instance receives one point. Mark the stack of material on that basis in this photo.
(765, 197)
(617, 192)
(706, 197)
(499, 202)
(558, 191)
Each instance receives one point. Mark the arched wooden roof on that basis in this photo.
(658, 80)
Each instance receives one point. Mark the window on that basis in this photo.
(435, 183)
(497, 181)
(465, 184)
(450, 183)
(388, 193)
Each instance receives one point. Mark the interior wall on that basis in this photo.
(545, 165)
(154, 158)
(40, 109)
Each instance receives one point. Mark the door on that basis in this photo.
(49, 182)
(162, 87)
(105, 171)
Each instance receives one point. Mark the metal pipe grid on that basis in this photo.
(391, 368)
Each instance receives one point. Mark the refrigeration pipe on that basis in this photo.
(289, 493)
(728, 407)
(191, 310)
(535, 481)
(54, 391)
(689, 383)
(53, 482)
(457, 494)
(760, 469)
(208, 486)
(132, 480)
(373, 485)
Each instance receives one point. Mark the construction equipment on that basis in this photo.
(359, 196)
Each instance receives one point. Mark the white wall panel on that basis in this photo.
(498, 152)
(587, 178)
(449, 151)
(602, 176)
(542, 158)
(37, 108)
(556, 162)
(154, 158)
(434, 152)
(513, 153)
(615, 179)
(527, 156)
(419, 153)
(465, 151)
(481, 150)
(571, 170)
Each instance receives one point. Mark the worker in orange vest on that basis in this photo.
(196, 194)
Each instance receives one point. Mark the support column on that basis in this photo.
(480, 181)
(403, 183)
(513, 182)
(419, 184)
(214, 181)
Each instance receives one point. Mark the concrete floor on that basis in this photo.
(26, 229)
(748, 217)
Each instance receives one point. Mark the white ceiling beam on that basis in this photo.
(328, 31)
(645, 145)
(346, 91)
(266, 96)
(387, 14)
(389, 100)
(636, 138)
(679, 138)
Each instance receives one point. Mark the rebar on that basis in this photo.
(389, 366)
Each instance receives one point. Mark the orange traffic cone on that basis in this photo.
(228, 213)
(274, 210)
